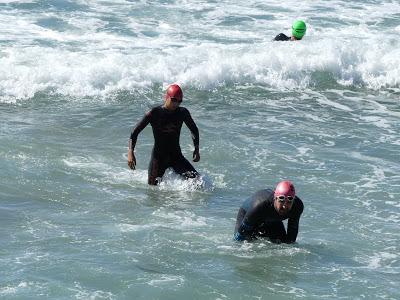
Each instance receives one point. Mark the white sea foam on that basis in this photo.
(18, 1)
(97, 171)
(324, 100)
(381, 260)
(394, 203)
(86, 59)
(379, 164)
(173, 181)
(180, 219)
(169, 280)
(10, 290)
(132, 227)
(84, 293)
(377, 121)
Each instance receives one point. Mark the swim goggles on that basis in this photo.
(282, 198)
(176, 100)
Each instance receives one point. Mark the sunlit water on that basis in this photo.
(75, 76)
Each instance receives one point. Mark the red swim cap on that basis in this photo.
(174, 91)
(285, 188)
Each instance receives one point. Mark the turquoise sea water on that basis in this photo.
(75, 76)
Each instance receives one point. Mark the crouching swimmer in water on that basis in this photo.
(166, 121)
(262, 214)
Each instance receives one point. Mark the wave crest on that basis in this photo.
(371, 64)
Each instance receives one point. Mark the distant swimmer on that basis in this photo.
(166, 121)
(298, 31)
(262, 214)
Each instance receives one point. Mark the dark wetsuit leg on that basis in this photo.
(183, 167)
(157, 167)
(273, 230)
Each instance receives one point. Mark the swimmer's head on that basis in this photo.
(284, 196)
(299, 29)
(174, 91)
(173, 97)
(285, 188)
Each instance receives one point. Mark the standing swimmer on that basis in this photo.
(166, 121)
(298, 31)
(262, 214)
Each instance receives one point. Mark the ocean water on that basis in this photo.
(75, 77)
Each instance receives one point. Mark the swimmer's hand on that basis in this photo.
(131, 159)
(196, 154)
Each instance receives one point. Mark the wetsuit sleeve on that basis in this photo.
(293, 223)
(251, 220)
(281, 37)
(137, 129)
(292, 230)
(192, 127)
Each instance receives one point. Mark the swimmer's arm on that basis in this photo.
(252, 218)
(292, 230)
(133, 138)
(195, 135)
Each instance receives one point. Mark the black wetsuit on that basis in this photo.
(282, 37)
(258, 217)
(166, 152)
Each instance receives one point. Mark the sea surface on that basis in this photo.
(324, 112)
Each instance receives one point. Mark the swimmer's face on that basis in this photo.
(283, 204)
(172, 103)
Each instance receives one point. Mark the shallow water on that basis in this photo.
(75, 77)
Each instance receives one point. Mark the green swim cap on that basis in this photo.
(299, 29)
